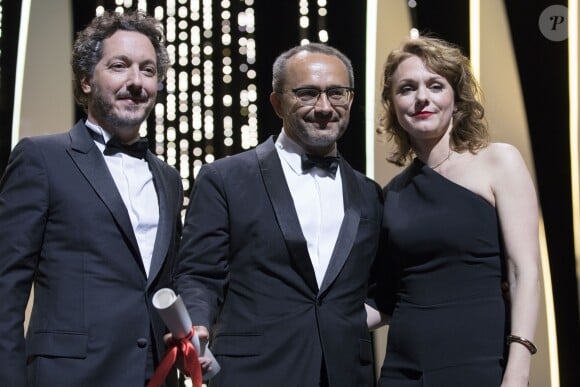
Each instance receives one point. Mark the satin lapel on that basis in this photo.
(284, 210)
(349, 228)
(164, 227)
(91, 163)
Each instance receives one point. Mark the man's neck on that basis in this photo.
(107, 134)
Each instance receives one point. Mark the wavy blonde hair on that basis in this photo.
(469, 130)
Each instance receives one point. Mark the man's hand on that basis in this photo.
(203, 336)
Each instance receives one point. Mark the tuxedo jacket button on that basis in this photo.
(141, 342)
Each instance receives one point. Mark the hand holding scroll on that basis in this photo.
(185, 340)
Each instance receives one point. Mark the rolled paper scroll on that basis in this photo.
(175, 316)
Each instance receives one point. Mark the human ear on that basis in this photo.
(85, 85)
(277, 104)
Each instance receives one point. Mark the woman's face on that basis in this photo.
(423, 100)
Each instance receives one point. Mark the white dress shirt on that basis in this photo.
(134, 181)
(318, 201)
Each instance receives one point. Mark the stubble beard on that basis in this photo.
(128, 121)
(320, 138)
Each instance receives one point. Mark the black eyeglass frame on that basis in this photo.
(348, 93)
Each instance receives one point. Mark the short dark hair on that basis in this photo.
(88, 48)
(279, 67)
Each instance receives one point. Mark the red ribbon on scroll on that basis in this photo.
(191, 366)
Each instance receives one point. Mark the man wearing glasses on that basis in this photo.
(279, 240)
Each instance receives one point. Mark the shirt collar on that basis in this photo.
(291, 152)
(97, 129)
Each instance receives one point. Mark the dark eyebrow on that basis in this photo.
(125, 58)
(319, 88)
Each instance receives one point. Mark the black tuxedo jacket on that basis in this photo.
(244, 266)
(65, 229)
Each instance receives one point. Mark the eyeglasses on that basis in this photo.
(337, 96)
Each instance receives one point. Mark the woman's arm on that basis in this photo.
(517, 208)
(375, 319)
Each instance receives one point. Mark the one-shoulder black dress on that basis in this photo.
(442, 284)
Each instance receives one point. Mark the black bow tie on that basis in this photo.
(137, 149)
(329, 164)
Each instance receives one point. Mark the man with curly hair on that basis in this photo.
(91, 217)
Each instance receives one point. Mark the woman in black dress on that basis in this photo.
(459, 220)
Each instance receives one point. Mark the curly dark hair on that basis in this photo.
(88, 50)
(469, 130)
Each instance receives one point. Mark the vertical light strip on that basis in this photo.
(322, 13)
(574, 129)
(371, 52)
(550, 313)
(303, 21)
(574, 136)
(474, 37)
(246, 70)
(20, 65)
